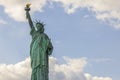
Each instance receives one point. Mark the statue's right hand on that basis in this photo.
(27, 8)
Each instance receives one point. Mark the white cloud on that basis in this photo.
(107, 10)
(15, 8)
(90, 77)
(19, 71)
(73, 69)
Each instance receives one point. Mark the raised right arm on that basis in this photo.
(29, 19)
(27, 9)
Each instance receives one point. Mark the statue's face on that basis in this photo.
(39, 27)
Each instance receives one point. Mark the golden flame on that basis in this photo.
(28, 5)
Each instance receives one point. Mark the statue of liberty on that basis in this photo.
(40, 49)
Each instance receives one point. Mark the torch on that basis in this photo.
(27, 8)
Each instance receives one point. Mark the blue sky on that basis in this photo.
(83, 31)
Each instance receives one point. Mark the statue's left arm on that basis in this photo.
(46, 42)
(50, 48)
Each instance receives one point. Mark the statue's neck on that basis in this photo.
(40, 32)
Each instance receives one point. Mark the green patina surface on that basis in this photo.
(40, 49)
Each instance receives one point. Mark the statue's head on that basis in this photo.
(40, 26)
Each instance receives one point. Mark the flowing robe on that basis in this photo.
(40, 49)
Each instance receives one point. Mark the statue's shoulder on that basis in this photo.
(45, 35)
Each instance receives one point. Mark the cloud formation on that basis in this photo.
(19, 71)
(72, 69)
(15, 8)
(107, 10)
(90, 77)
